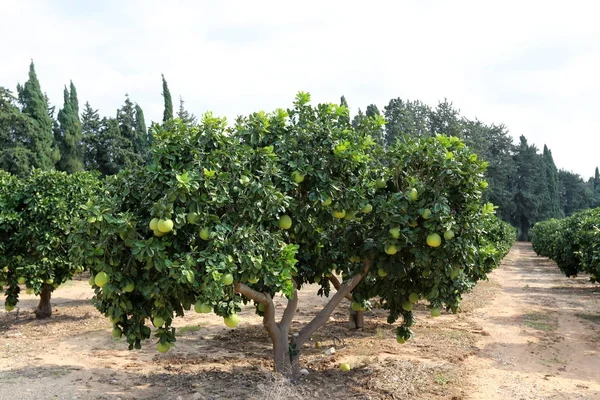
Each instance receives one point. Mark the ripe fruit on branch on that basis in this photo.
(165, 225)
(101, 279)
(285, 222)
(339, 214)
(231, 321)
(434, 240)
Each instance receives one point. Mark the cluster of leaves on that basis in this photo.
(36, 217)
(355, 208)
(573, 242)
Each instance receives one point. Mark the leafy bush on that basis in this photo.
(573, 242)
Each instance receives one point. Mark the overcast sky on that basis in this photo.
(532, 65)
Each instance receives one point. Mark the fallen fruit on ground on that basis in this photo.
(345, 367)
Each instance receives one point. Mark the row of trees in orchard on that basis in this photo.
(228, 215)
(573, 242)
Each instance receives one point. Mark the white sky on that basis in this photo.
(532, 65)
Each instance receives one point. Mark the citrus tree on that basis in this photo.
(225, 216)
(573, 242)
(36, 217)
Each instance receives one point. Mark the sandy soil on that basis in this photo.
(528, 333)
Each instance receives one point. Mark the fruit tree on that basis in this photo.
(225, 216)
(36, 216)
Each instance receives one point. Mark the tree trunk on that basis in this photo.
(286, 356)
(286, 351)
(44, 309)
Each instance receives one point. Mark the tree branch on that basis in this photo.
(251, 293)
(321, 318)
(290, 311)
(336, 284)
(262, 298)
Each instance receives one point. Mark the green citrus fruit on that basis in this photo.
(154, 224)
(101, 279)
(204, 234)
(227, 279)
(413, 297)
(165, 225)
(449, 234)
(285, 222)
(162, 347)
(434, 240)
(231, 321)
(391, 249)
(339, 214)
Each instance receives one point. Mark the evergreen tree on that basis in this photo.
(168, 113)
(34, 104)
(411, 118)
(185, 116)
(552, 209)
(596, 179)
(74, 100)
(531, 192)
(16, 129)
(445, 120)
(575, 193)
(91, 126)
(494, 145)
(142, 139)
(358, 118)
(69, 136)
(344, 103)
(372, 112)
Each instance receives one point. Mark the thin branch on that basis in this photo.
(336, 284)
(321, 318)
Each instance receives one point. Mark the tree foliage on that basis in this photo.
(573, 242)
(224, 216)
(69, 136)
(166, 93)
(36, 216)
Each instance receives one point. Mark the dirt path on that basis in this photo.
(544, 334)
(528, 333)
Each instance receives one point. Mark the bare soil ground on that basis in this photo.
(528, 333)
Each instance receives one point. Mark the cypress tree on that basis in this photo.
(142, 139)
(90, 129)
(183, 114)
(596, 179)
(35, 105)
(168, 113)
(16, 129)
(553, 208)
(344, 103)
(69, 137)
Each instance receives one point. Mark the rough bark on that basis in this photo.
(44, 308)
